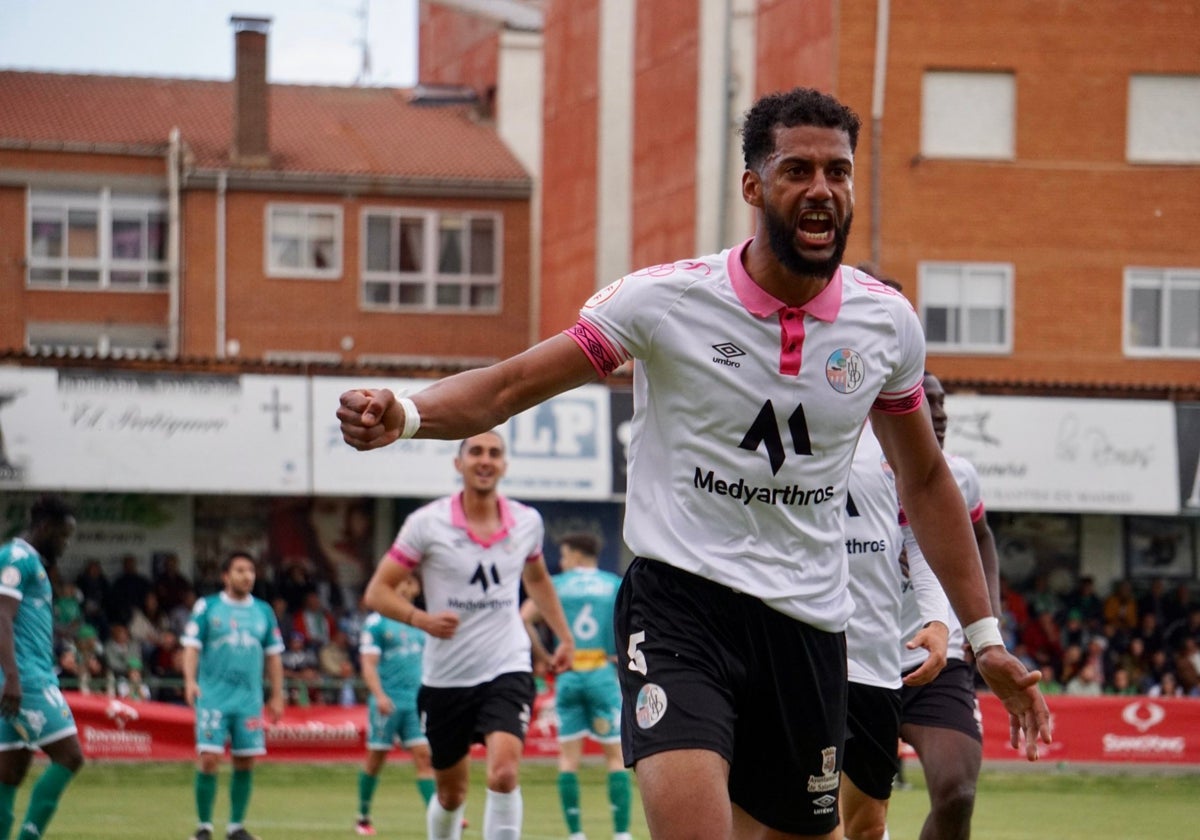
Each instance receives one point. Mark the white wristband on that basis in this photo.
(984, 633)
(412, 418)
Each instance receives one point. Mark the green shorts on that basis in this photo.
(588, 703)
(44, 718)
(242, 730)
(402, 726)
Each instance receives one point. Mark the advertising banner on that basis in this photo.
(1070, 455)
(557, 450)
(1125, 729)
(116, 729)
(120, 430)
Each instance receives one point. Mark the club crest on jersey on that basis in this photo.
(845, 370)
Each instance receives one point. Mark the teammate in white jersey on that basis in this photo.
(754, 370)
(875, 550)
(33, 713)
(941, 719)
(473, 551)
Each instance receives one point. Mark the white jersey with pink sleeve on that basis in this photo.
(746, 415)
(873, 545)
(967, 479)
(478, 578)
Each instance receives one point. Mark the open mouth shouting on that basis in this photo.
(816, 228)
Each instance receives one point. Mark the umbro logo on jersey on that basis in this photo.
(729, 351)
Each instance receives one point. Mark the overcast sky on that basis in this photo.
(311, 41)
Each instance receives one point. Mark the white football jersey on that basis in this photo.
(746, 415)
(480, 579)
(873, 545)
(910, 616)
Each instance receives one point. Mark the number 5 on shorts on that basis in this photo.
(637, 659)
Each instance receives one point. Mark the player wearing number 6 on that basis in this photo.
(587, 699)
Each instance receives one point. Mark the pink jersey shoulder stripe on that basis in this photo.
(902, 402)
(600, 352)
(403, 557)
(977, 512)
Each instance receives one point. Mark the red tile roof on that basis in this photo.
(355, 131)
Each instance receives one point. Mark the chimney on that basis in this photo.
(250, 91)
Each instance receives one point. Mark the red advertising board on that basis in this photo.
(1086, 729)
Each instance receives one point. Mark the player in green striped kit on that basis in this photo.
(34, 713)
(227, 640)
(587, 699)
(391, 668)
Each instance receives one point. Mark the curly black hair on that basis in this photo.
(798, 106)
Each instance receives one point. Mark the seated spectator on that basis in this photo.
(1041, 639)
(146, 624)
(1074, 631)
(89, 660)
(172, 585)
(92, 584)
(1120, 608)
(1086, 683)
(1084, 598)
(128, 591)
(338, 670)
(301, 671)
(131, 686)
(68, 613)
(1049, 683)
(314, 621)
(1179, 605)
(1187, 665)
(1072, 664)
(1189, 626)
(1120, 684)
(1166, 686)
(1154, 602)
(1151, 632)
(295, 585)
(1158, 665)
(119, 650)
(1134, 661)
(1043, 598)
(179, 616)
(166, 666)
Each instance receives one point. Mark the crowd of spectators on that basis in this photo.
(1128, 642)
(122, 636)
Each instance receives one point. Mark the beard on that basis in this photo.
(782, 238)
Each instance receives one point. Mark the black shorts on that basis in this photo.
(455, 718)
(872, 739)
(948, 702)
(704, 667)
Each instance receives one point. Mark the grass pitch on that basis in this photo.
(307, 802)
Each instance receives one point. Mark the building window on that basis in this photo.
(99, 340)
(1164, 119)
(426, 260)
(968, 115)
(1162, 312)
(97, 240)
(305, 241)
(967, 307)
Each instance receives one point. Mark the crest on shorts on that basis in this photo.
(651, 705)
(828, 780)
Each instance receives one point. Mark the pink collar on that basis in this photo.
(824, 306)
(458, 518)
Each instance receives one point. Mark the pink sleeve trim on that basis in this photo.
(533, 558)
(604, 357)
(903, 402)
(977, 512)
(402, 557)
